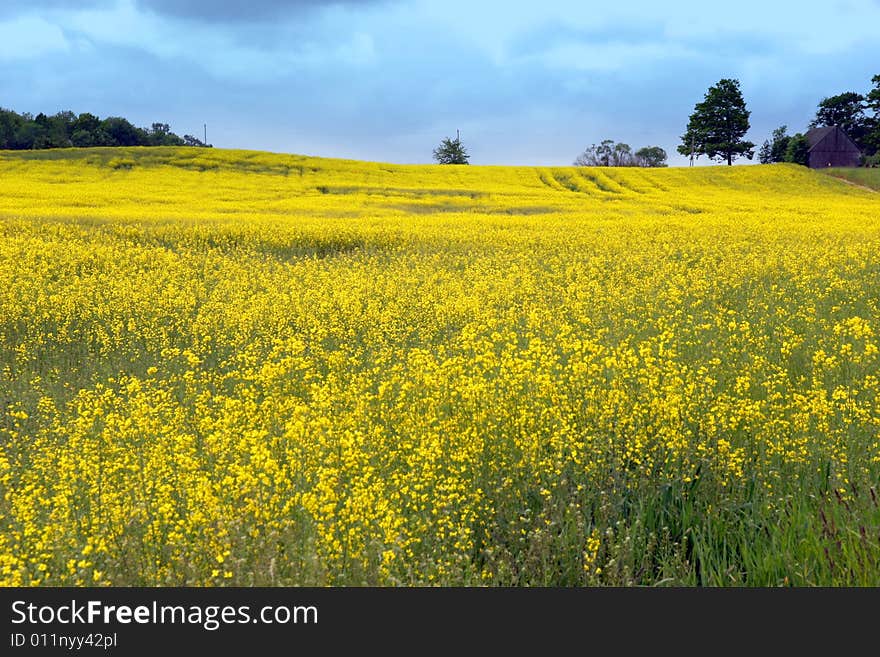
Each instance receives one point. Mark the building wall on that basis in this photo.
(821, 159)
(835, 150)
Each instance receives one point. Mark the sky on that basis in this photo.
(386, 80)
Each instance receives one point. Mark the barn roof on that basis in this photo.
(816, 135)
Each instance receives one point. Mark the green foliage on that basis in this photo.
(606, 154)
(651, 156)
(846, 110)
(66, 129)
(160, 134)
(451, 151)
(610, 154)
(189, 140)
(856, 114)
(718, 124)
(122, 132)
(765, 154)
(872, 101)
(774, 149)
(10, 127)
(798, 150)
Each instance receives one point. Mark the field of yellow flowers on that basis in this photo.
(241, 368)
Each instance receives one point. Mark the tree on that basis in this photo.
(774, 151)
(606, 154)
(873, 97)
(122, 132)
(622, 156)
(610, 154)
(765, 154)
(847, 111)
(27, 134)
(189, 140)
(650, 156)
(872, 100)
(10, 124)
(718, 124)
(798, 150)
(83, 138)
(86, 131)
(65, 129)
(87, 122)
(451, 151)
(596, 156)
(159, 134)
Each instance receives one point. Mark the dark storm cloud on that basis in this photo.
(220, 11)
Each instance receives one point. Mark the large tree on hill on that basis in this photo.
(846, 110)
(718, 124)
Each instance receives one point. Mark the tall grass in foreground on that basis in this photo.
(235, 368)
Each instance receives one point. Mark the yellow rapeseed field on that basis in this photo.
(240, 368)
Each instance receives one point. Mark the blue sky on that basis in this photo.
(525, 83)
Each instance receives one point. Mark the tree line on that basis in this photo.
(610, 154)
(720, 121)
(606, 154)
(717, 129)
(66, 129)
(858, 115)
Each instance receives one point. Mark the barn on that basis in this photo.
(830, 147)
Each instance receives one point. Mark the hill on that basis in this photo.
(242, 368)
(169, 178)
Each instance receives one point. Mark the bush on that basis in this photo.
(872, 161)
(798, 150)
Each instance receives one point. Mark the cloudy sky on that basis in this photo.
(525, 83)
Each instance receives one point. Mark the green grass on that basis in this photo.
(862, 176)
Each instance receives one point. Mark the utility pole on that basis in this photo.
(206, 134)
(457, 135)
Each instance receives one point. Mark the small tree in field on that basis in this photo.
(451, 151)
